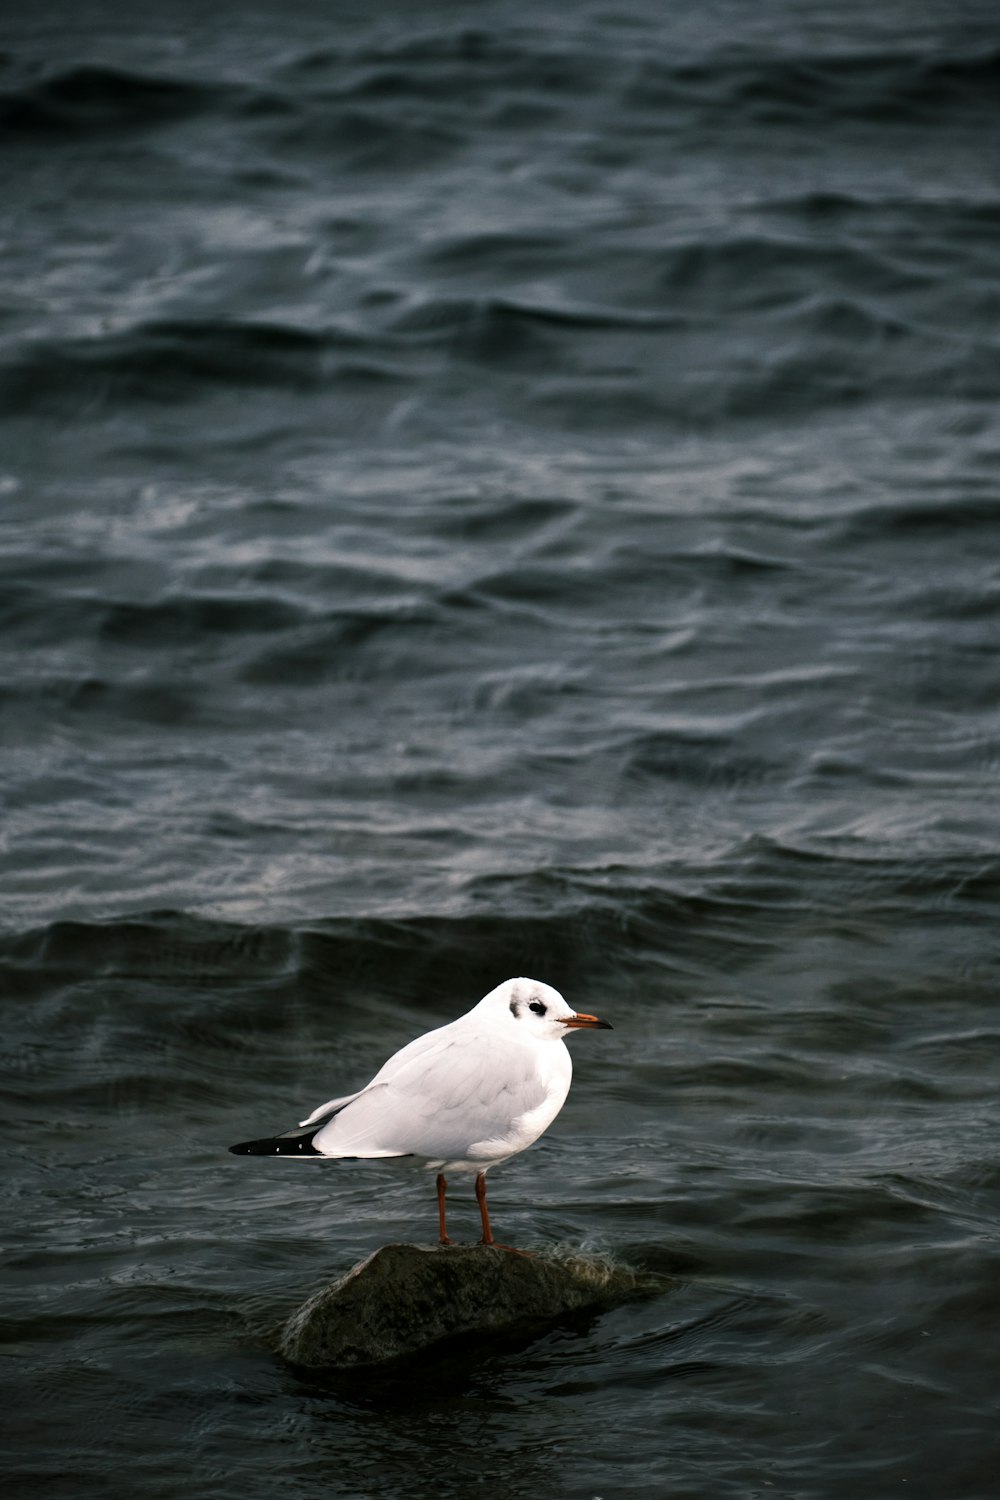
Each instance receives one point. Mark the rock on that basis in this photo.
(404, 1298)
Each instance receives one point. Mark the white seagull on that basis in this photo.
(462, 1098)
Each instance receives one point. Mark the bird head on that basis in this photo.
(538, 1009)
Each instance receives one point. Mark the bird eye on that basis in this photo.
(537, 1007)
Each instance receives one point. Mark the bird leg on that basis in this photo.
(484, 1212)
(442, 1187)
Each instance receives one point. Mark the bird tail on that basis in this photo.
(299, 1140)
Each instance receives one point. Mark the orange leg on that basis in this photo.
(484, 1212)
(442, 1187)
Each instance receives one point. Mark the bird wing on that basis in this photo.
(441, 1097)
(428, 1042)
(329, 1108)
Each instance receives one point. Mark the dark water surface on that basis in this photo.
(500, 489)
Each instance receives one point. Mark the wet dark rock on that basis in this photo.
(404, 1298)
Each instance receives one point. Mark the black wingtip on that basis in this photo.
(277, 1146)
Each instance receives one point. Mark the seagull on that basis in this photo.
(461, 1098)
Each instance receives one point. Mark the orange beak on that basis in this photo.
(580, 1019)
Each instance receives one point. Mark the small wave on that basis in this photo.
(518, 253)
(463, 62)
(702, 761)
(464, 44)
(367, 139)
(174, 360)
(160, 944)
(976, 217)
(904, 87)
(329, 650)
(41, 613)
(483, 327)
(769, 270)
(823, 324)
(417, 960)
(93, 99)
(971, 515)
(189, 618)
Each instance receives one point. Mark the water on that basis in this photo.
(489, 490)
